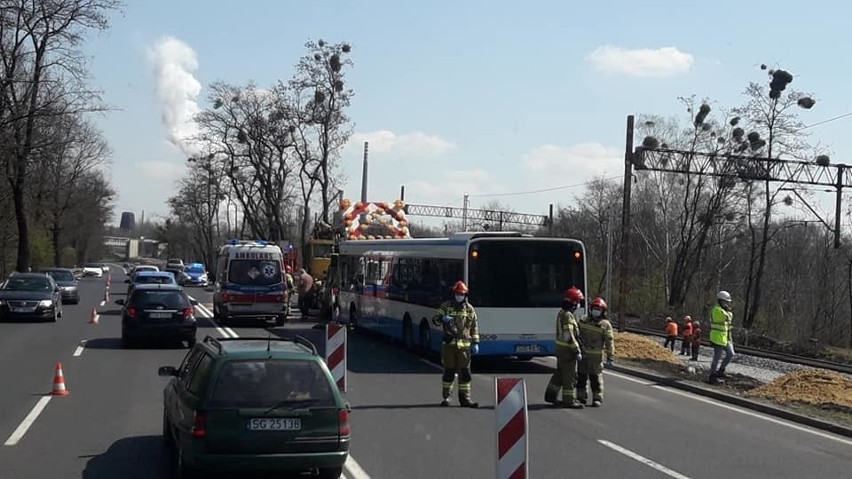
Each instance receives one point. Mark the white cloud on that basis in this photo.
(643, 62)
(160, 170)
(582, 160)
(175, 64)
(403, 146)
(449, 189)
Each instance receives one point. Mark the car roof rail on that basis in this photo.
(213, 341)
(296, 338)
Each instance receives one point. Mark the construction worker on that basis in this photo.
(290, 285)
(686, 342)
(568, 353)
(460, 341)
(596, 336)
(721, 318)
(671, 333)
(696, 339)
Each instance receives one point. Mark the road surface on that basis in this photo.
(109, 425)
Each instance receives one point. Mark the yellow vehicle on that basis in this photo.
(319, 257)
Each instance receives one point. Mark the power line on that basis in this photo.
(545, 190)
(823, 122)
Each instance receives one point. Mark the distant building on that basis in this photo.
(128, 221)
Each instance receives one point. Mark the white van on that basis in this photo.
(250, 283)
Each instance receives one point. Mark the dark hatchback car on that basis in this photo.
(157, 312)
(255, 404)
(64, 277)
(30, 296)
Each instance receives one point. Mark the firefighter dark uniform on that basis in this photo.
(460, 339)
(568, 353)
(596, 336)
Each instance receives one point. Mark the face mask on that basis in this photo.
(459, 298)
(597, 313)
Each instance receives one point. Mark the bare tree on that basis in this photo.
(39, 46)
(777, 132)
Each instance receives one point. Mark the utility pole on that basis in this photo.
(364, 172)
(609, 221)
(464, 212)
(625, 223)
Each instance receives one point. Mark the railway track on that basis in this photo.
(762, 353)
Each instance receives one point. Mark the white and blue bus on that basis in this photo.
(516, 282)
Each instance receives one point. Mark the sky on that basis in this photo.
(518, 102)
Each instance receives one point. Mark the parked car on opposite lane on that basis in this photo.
(30, 296)
(64, 277)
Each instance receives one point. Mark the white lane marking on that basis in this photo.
(103, 303)
(773, 420)
(28, 421)
(430, 363)
(206, 313)
(79, 350)
(644, 460)
(354, 470)
(734, 408)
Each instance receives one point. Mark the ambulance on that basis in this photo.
(250, 283)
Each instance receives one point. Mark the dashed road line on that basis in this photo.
(28, 421)
(354, 470)
(80, 347)
(644, 460)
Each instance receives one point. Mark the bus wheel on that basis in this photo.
(425, 336)
(407, 339)
(353, 317)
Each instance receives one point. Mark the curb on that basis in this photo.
(736, 400)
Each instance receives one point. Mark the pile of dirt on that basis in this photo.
(639, 348)
(809, 386)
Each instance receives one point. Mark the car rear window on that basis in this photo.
(153, 298)
(155, 279)
(61, 275)
(265, 383)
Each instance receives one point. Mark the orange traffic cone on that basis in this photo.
(106, 296)
(94, 319)
(59, 382)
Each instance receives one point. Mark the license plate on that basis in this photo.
(527, 348)
(160, 315)
(23, 310)
(274, 424)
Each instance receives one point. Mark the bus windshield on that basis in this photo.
(523, 274)
(254, 272)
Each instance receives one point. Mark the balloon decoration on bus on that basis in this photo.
(374, 220)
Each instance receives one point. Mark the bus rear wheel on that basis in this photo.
(407, 333)
(425, 336)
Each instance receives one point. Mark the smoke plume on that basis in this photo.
(175, 64)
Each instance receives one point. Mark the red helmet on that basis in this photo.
(573, 295)
(599, 303)
(459, 288)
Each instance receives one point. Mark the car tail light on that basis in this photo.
(199, 424)
(188, 312)
(226, 298)
(131, 311)
(343, 423)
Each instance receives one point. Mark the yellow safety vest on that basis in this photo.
(720, 325)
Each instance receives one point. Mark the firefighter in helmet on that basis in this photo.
(568, 353)
(596, 336)
(460, 340)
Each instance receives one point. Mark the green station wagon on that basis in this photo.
(255, 405)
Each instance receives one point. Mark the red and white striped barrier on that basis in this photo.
(335, 353)
(512, 428)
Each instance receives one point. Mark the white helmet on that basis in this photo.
(723, 296)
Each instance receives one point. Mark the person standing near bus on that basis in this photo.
(460, 340)
(597, 337)
(568, 353)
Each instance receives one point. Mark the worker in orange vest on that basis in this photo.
(671, 333)
(696, 339)
(686, 342)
